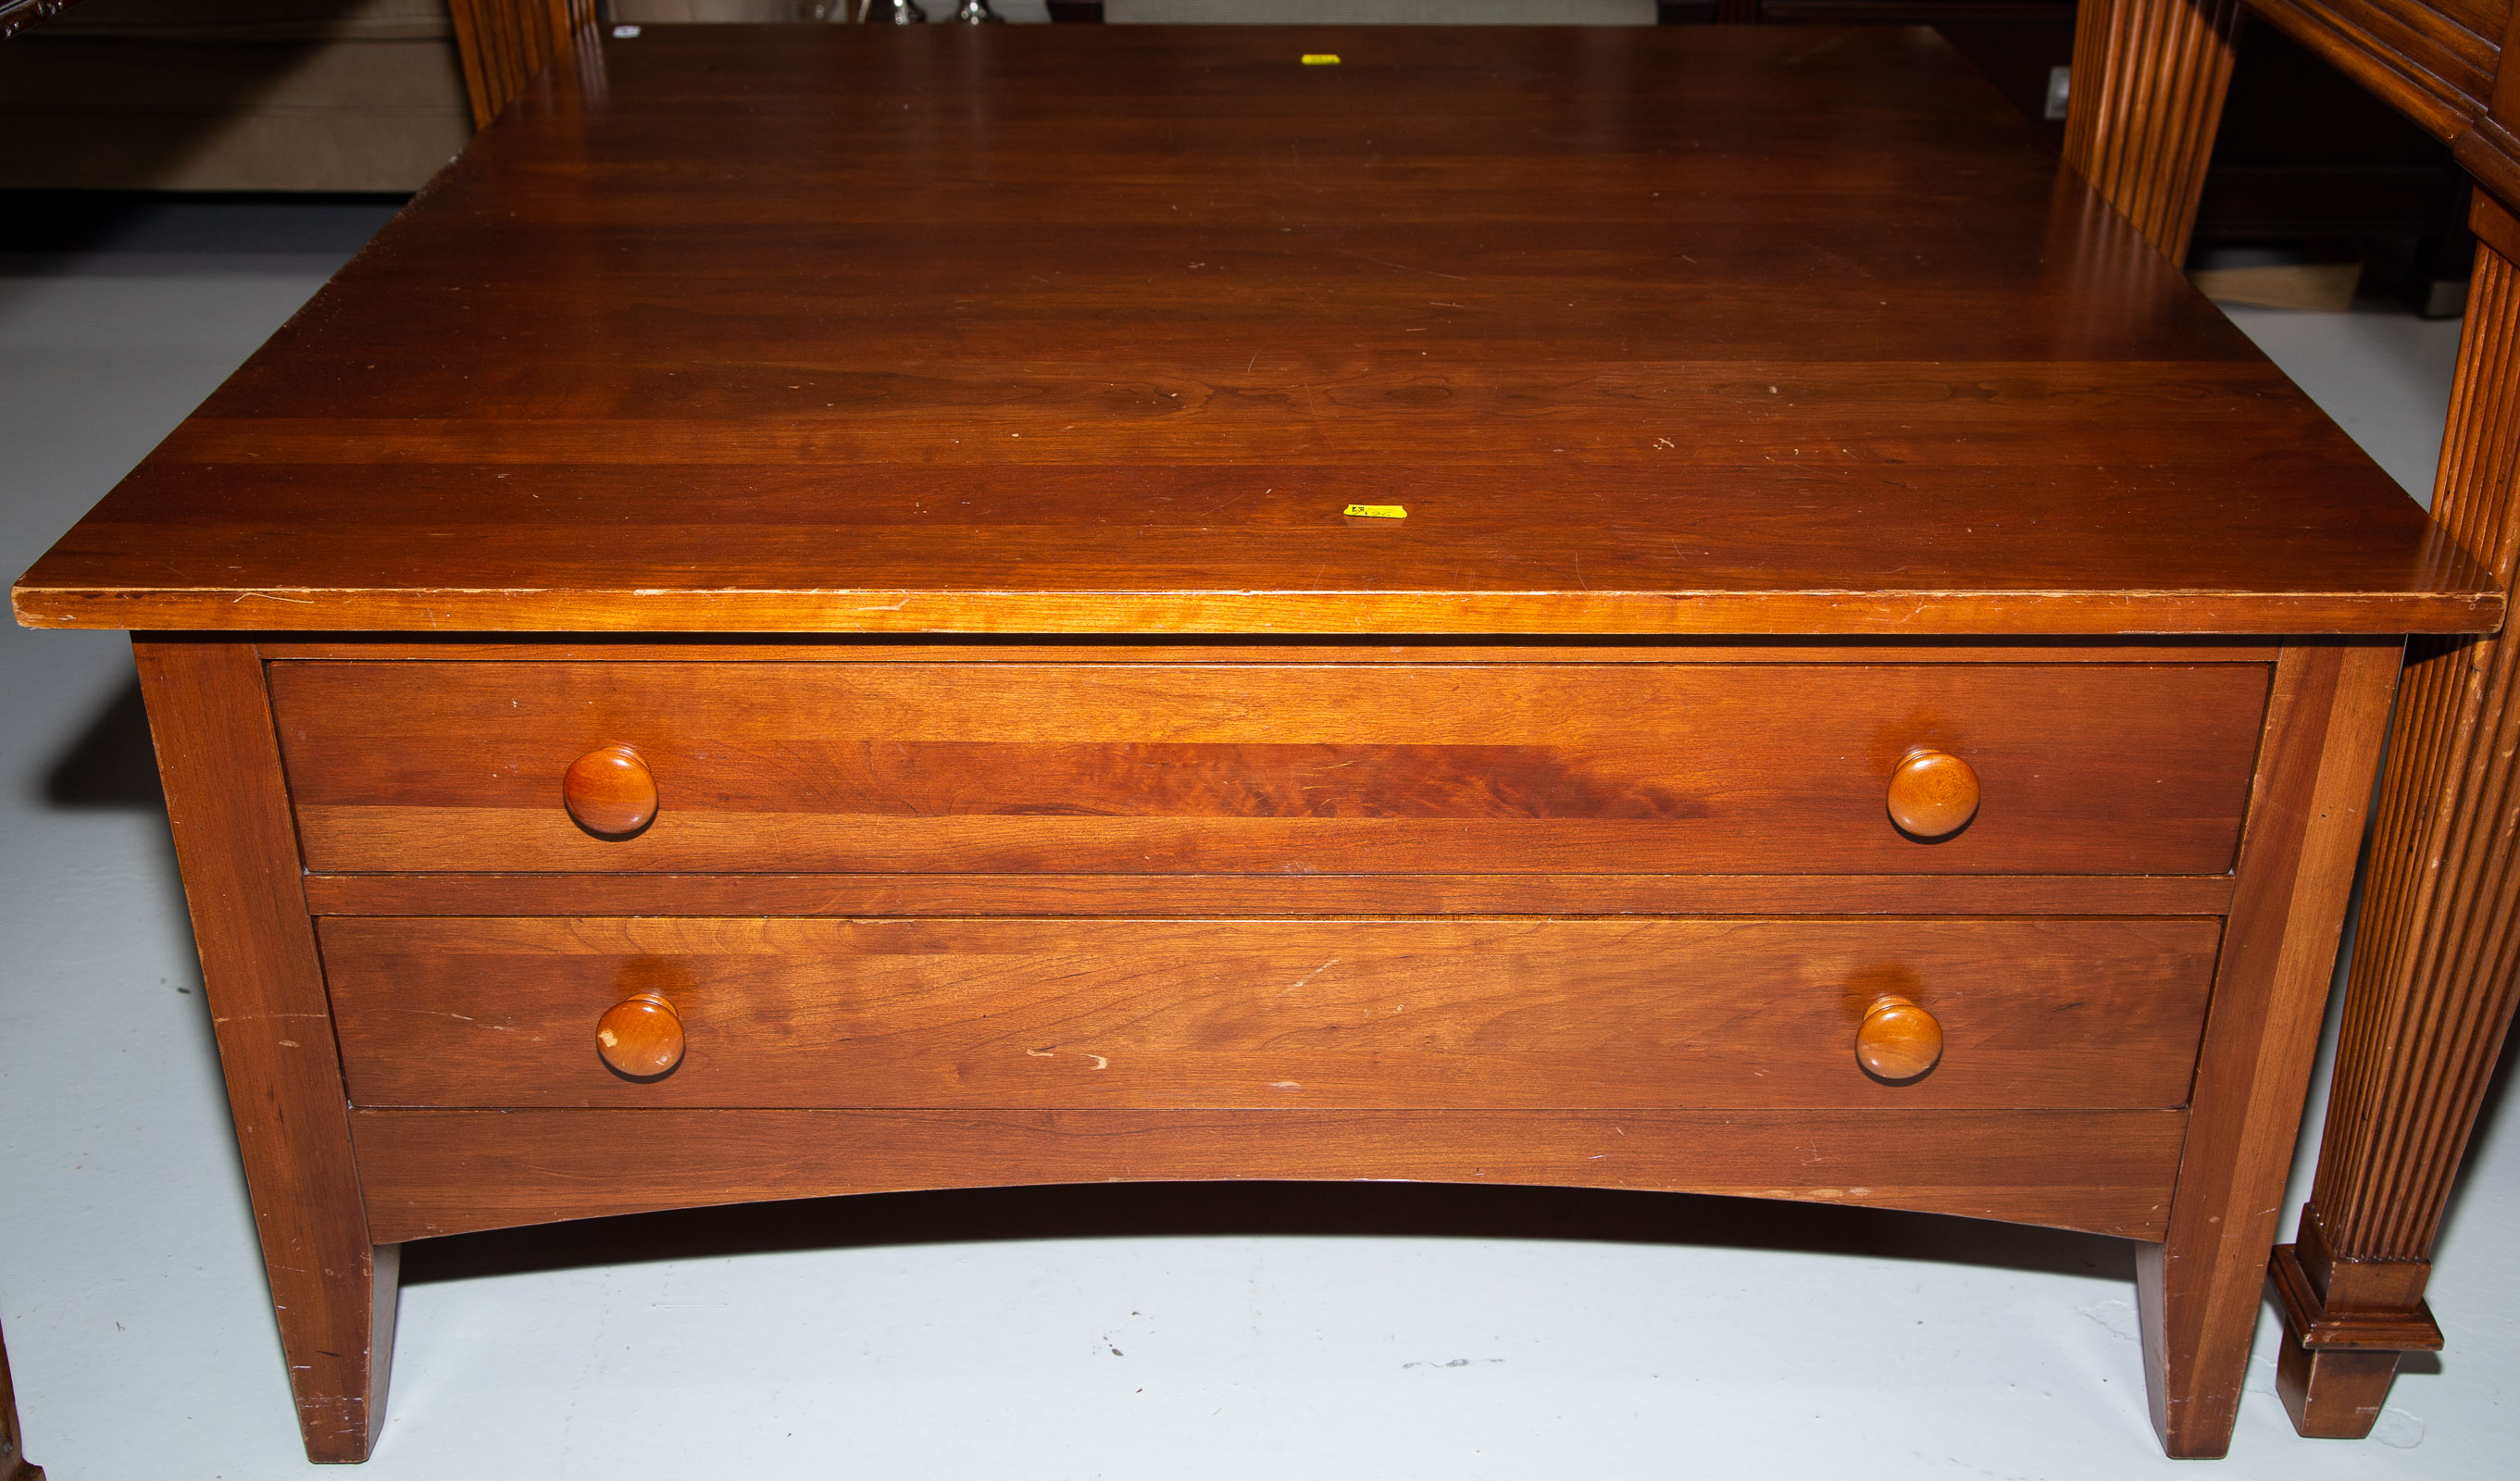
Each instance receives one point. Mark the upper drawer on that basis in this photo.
(1334, 768)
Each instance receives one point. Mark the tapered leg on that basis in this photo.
(332, 1289)
(2198, 1290)
(2437, 967)
(2147, 97)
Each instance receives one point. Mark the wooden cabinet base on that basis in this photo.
(400, 1075)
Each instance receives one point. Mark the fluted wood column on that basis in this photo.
(504, 43)
(2437, 968)
(2148, 96)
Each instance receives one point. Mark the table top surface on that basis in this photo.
(1075, 330)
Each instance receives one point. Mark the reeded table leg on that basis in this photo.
(2147, 97)
(2437, 970)
(332, 1289)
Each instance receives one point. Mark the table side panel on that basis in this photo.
(443, 1172)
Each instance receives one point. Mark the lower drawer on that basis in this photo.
(1436, 1013)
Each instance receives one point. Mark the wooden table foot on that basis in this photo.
(2336, 1366)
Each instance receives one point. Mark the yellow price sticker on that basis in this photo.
(1321, 58)
(1375, 511)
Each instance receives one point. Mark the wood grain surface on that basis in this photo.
(1540, 1014)
(504, 43)
(2199, 1290)
(227, 805)
(444, 1172)
(1058, 329)
(1343, 769)
(1558, 893)
(2149, 77)
(2436, 972)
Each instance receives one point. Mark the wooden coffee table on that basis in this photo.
(794, 627)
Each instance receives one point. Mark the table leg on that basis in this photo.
(2437, 968)
(504, 43)
(2197, 1292)
(332, 1289)
(2147, 97)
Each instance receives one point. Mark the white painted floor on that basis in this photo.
(1375, 1331)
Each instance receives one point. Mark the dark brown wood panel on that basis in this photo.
(1521, 1014)
(720, 331)
(444, 1172)
(2434, 60)
(1345, 769)
(1171, 895)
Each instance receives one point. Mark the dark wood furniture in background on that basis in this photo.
(2305, 157)
(1029, 728)
(16, 15)
(2437, 970)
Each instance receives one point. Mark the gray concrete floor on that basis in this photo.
(1219, 1332)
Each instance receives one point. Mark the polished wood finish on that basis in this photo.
(14, 1465)
(1426, 1013)
(1933, 794)
(609, 792)
(1899, 1040)
(506, 43)
(2198, 1290)
(2436, 970)
(2336, 1367)
(2149, 82)
(331, 1283)
(445, 1172)
(2434, 980)
(1336, 769)
(1563, 893)
(1139, 648)
(1608, 357)
(641, 1036)
(726, 333)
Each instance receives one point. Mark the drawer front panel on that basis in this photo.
(1124, 768)
(1429, 1013)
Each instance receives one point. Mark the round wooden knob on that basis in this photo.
(641, 1036)
(610, 792)
(1932, 793)
(1899, 1040)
